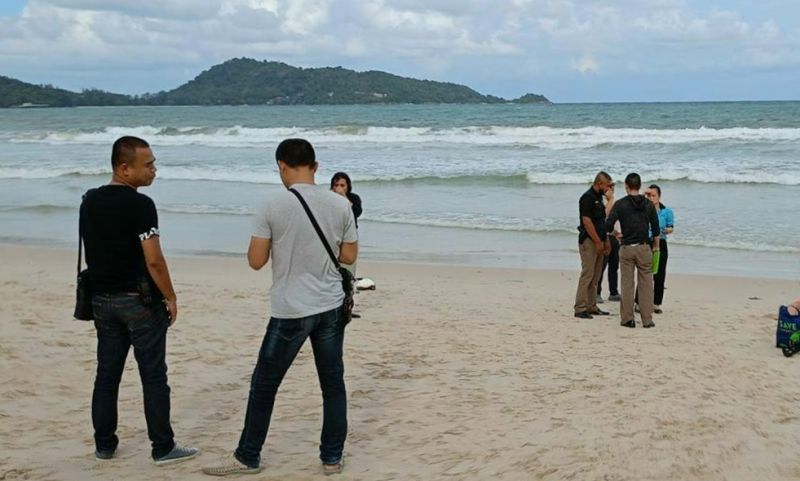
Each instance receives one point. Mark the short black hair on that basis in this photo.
(602, 175)
(296, 153)
(656, 188)
(342, 175)
(633, 181)
(124, 150)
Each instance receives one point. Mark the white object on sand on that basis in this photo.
(365, 284)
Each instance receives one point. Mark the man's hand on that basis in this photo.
(607, 248)
(172, 310)
(599, 246)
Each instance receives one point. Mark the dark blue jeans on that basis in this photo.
(283, 340)
(122, 321)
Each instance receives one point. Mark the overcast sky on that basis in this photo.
(570, 51)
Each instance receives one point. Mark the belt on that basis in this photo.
(636, 244)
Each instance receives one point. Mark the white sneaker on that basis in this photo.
(229, 466)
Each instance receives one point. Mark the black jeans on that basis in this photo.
(660, 278)
(122, 321)
(612, 262)
(283, 340)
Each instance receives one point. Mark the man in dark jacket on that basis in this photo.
(638, 218)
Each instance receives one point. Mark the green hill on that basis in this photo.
(247, 81)
(15, 93)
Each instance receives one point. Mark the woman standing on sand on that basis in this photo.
(666, 223)
(341, 184)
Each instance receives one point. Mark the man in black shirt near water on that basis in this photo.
(593, 245)
(133, 299)
(638, 219)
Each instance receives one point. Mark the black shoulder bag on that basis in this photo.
(347, 276)
(83, 292)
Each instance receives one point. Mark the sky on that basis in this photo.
(567, 50)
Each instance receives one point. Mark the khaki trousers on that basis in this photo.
(591, 270)
(638, 258)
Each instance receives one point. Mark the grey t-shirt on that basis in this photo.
(305, 281)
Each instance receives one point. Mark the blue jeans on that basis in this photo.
(283, 340)
(122, 321)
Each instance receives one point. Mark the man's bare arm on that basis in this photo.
(348, 252)
(258, 252)
(159, 271)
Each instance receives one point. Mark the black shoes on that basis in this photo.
(104, 455)
(599, 312)
(630, 324)
(584, 315)
(647, 326)
(355, 316)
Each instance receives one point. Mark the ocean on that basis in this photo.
(481, 185)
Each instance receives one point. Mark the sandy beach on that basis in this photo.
(452, 373)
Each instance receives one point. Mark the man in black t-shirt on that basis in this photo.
(593, 245)
(133, 299)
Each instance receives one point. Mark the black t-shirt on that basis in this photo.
(591, 205)
(114, 220)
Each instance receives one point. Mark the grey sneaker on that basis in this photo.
(179, 453)
(229, 466)
(600, 299)
(614, 297)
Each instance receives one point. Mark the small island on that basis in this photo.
(244, 81)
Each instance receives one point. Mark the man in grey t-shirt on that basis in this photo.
(306, 299)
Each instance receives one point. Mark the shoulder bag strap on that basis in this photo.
(316, 227)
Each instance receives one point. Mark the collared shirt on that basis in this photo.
(665, 219)
(591, 205)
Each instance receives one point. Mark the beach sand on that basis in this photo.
(452, 373)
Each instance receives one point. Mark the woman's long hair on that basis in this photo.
(342, 175)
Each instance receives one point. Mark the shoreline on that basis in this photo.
(452, 372)
(547, 252)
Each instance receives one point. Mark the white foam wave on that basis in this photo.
(541, 137)
(204, 209)
(736, 245)
(473, 222)
(221, 173)
(720, 176)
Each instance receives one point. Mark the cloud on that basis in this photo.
(418, 37)
(586, 64)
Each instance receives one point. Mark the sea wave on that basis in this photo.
(240, 174)
(555, 226)
(535, 136)
(474, 222)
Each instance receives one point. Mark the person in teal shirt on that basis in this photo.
(666, 222)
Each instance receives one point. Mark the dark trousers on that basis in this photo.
(122, 321)
(660, 278)
(611, 262)
(282, 342)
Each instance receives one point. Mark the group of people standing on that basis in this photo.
(134, 301)
(622, 235)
